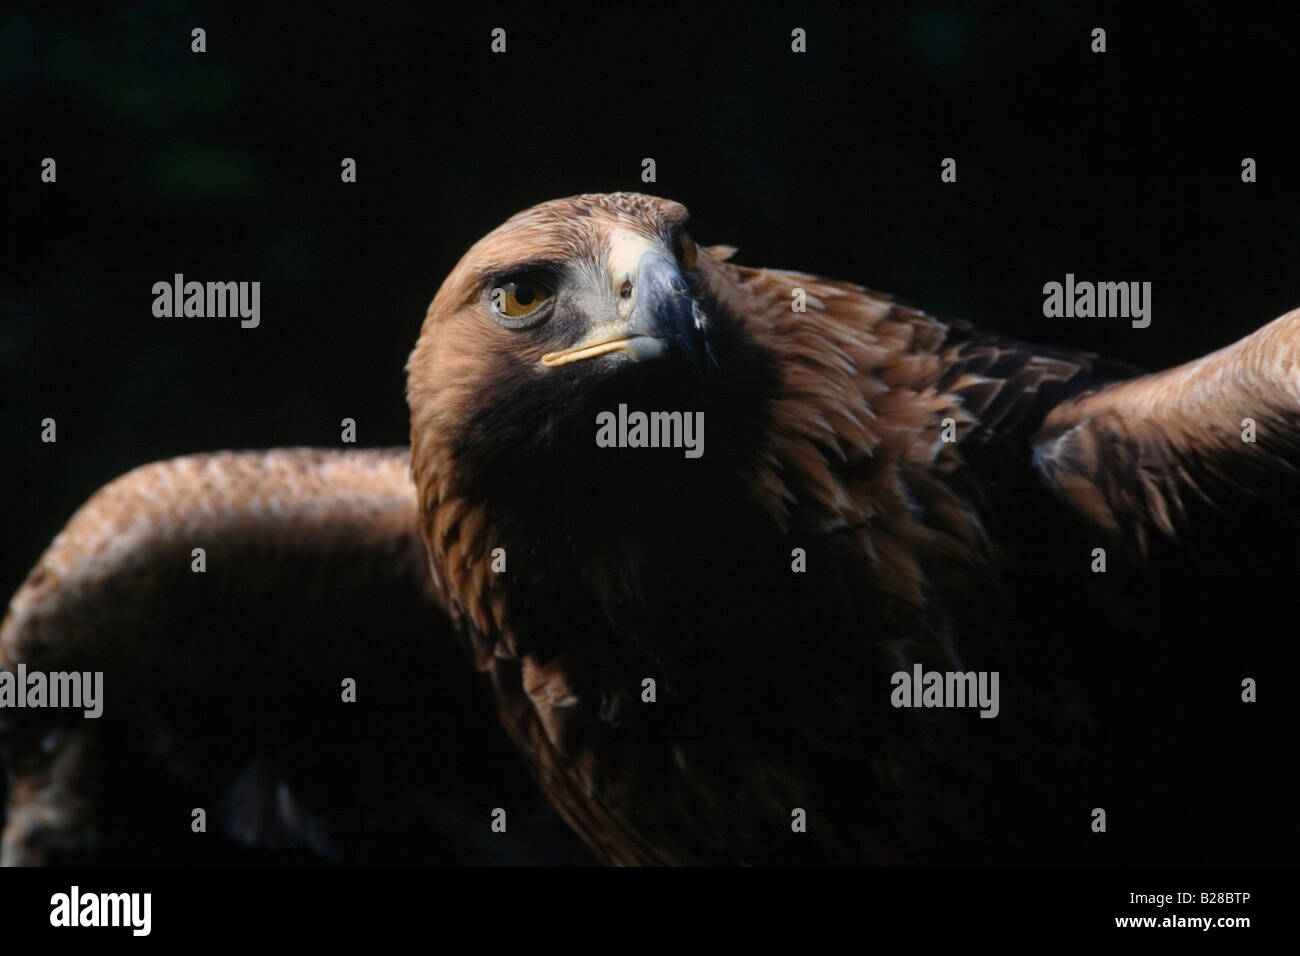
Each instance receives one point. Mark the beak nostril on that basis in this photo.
(626, 291)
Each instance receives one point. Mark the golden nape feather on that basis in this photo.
(759, 567)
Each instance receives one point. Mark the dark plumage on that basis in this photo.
(827, 435)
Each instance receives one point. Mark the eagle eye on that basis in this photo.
(520, 301)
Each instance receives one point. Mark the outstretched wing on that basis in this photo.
(224, 673)
(1206, 442)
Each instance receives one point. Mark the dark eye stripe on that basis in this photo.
(543, 271)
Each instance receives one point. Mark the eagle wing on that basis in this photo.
(224, 682)
(1184, 451)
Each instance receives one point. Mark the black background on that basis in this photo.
(226, 166)
(775, 908)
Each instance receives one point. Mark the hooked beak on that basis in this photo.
(665, 319)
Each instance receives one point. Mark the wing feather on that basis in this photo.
(223, 689)
(1137, 458)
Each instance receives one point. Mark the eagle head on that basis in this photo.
(561, 294)
(568, 310)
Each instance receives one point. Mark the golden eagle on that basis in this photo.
(742, 553)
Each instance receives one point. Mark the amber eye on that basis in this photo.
(520, 301)
(687, 250)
